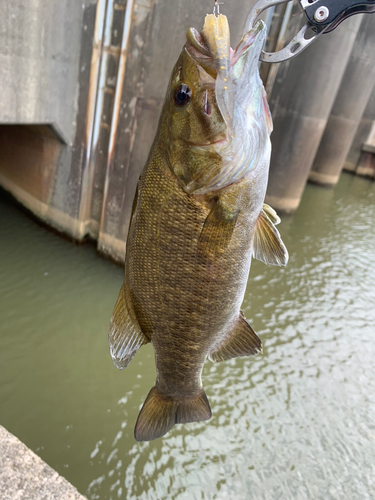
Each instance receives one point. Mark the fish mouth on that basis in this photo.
(248, 40)
(196, 44)
(209, 47)
(198, 49)
(230, 68)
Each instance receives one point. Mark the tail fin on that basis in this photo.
(159, 413)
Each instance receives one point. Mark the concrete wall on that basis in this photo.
(83, 84)
(23, 475)
(39, 63)
(46, 52)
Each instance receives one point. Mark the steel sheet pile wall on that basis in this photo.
(83, 85)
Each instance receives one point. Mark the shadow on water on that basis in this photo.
(295, 422)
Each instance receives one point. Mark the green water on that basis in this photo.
(297, 422)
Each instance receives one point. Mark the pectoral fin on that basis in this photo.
(240, 341)
(271, 214)
(125, 335)
(217, 230)
(268, 246)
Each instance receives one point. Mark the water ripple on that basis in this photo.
(295, 422)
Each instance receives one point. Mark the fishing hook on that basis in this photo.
(216, 10)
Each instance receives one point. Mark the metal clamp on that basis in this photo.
(294, 47)
(323, 16)
(326, 15)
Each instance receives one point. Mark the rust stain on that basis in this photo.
(111, 49)
(85, 195)
(117, 100)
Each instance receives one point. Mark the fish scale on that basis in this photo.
(190, 244)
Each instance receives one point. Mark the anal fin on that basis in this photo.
(241, 340)
(125, 335)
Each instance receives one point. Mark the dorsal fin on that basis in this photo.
(267, 245)
(241, 340)
(125, 335)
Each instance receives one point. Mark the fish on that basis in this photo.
(198, 218)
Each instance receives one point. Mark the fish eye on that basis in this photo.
(182, 95)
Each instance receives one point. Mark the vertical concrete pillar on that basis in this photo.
(302, 97)
(366, 163)
(361, 135)
(348, 108)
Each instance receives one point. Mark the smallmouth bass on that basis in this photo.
(198, 217)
